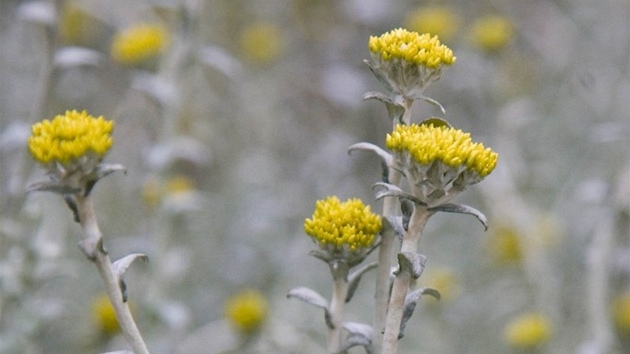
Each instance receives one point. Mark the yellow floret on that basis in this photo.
(418, 49)
(349, 224)
(138, 43)
(454, 148)
(70, 136)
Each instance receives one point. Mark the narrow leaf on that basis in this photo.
(436, 122)
(309, 296)
(121, 265)
(410, 305)
(412, 262)
(379, 76)
(431, 101)
(355, 278)
(359, 335)
(462, 209)
(391, 190)
(393, 224)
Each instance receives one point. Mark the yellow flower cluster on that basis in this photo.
(104, 315)
(338, 226)
(138, 43)
(492, 33)
(528, 331)
(246, 310)
(454, 148)
(418, 49)
(70, 136)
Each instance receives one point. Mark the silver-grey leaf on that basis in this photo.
(412, 262)
(121, 265)
(355, 278)
(462, 209)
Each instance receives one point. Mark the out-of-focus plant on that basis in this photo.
(71, 148)
(528, 331)
(438, 162)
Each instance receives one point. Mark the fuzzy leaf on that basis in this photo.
(386, 158)
(431, 101)
(462, 209)
(393, 224)
(321, 255)
(379, 76)
(359, 334)
(437, 122)
(121, 265)
(49, 186)
(355, 278)
(391, 190)
(411, 261)
(312, 297)
(410, 305)
(106, 169)
(395, 109)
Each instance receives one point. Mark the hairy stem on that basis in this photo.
(339, 271)
(381, 293)
(402, 281)
(91, 231)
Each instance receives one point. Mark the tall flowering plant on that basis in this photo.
(71, 148)
(437, 161)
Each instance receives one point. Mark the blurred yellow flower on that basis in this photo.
(444, 280)
(343, 229)
(261, 42)
(247, 310)
(75, 25)
(69, 137)
(528, 331)
(437, 20)
(492, 33)
(139, 42)
(504, 244)
(104, 316)
(621, 313)
(179, 184)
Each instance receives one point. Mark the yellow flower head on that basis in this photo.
(492, 33)
(426, 144)
(104, 316)
(343, 229)
(69, 137)
(411, 47)
(246, 311)
(528, 331)
(438, 20)
(261, 42)
(407, 61)
(139, 42)
(621, 313)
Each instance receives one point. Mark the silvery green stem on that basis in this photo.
(339, 271)
(402, 281)
(91, 231)
(381, 293)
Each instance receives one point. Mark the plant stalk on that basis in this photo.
(402, 281)
(91, 231)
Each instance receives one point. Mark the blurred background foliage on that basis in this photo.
(234, 116)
